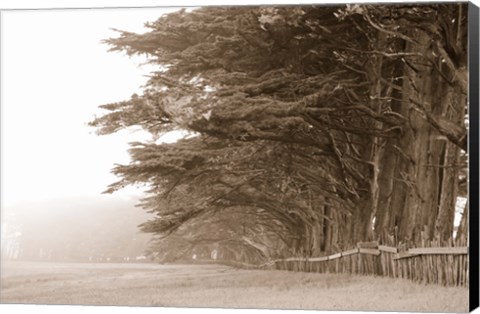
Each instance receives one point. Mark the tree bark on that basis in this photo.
(327, 229)
(454, 106)
(383, 219)
(448, 195)
(462, 232)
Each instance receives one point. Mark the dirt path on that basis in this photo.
(217, 286)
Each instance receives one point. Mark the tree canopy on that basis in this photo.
(318, 126)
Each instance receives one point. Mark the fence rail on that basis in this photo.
(439, 265)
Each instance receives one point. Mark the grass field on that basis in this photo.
(217, 286)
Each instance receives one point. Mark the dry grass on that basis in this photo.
(217, 286)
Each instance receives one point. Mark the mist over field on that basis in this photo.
(82, 229)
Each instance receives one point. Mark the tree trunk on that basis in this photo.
(454, 111)
(383, 225)
(448, 194)
(327, 229)
(462, 231)
(385, 216)
(316, 235)
(420, 144)
(363, 229)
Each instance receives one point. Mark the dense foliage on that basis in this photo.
(318, 126)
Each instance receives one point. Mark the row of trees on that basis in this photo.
(315, 126)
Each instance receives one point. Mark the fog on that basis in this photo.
(76, 230)
(55, 74)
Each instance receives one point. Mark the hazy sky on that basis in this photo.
(55, 73)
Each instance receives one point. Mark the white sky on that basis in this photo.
(55, 74)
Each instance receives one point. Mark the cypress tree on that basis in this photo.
(326, 140)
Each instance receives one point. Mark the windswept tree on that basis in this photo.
(325, 139)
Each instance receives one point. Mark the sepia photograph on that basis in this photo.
(301, 156)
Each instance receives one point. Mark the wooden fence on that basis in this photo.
(434, 264)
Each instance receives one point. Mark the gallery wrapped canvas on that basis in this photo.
(301, 156)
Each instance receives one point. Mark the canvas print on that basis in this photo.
(310, 157)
